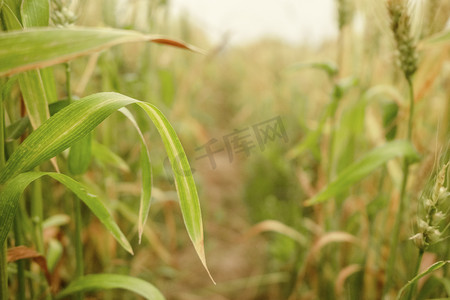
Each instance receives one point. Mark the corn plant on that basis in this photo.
(29, 48)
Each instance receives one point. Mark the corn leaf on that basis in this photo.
(112, 281)
(364, 167)
(82, 116)
(13, 189)
(43, 47)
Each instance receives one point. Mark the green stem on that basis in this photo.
(20, 263)
(412, 289)
(79, 271)
(37, 214)
(68, 88)
(3, 273)
(3, 249)
(398, 218)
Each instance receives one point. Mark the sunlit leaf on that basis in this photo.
(82, 116)
(112, 281)
(39, 48)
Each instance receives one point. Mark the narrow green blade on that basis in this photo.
(146, 194)
(80, 155)
(112, 281)
(432, 268)
(186, 189)
(43, 47)
(13, 189)
(364, 167)
(61, 131)
(35, 13)
(78, 119)
(104, 155)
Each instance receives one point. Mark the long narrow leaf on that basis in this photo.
(184, 181)
(80, 155)
(38, 48)
(35, 13)
(146, 194)
(112, 281)
(79, 118)
(431, 269)
(104, 155)
(11, 191)
(364, 167)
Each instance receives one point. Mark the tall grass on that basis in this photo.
(71, 126)
(313, 217)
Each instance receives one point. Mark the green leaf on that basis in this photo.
(13, 189)
(43, 47)
(35, 13)
(312, 138)
(329, 67)
(80, 155)
(364, 167)
(11, 15)
(146, 194)
(431, 269)
(112, 281)
(439, 38)
(186, 189)
(82, 116)
(104, 155)
(35, 97)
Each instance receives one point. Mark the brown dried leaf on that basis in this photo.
(22, 252)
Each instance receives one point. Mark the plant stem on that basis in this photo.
(3, 249)
(20, 263)
(3, 273)
(416, 271)
(79, 271)
(37, 214)
(398, 218)
(68, 88)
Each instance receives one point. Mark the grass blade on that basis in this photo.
(112, 281)
(35, 13)
(104, 155)
(186, 189)
(82, 116)
(431, 269)
(61, 131)
(146, 194)
(12, 190)
(80, 155)
(39, 48)
(364, 167)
